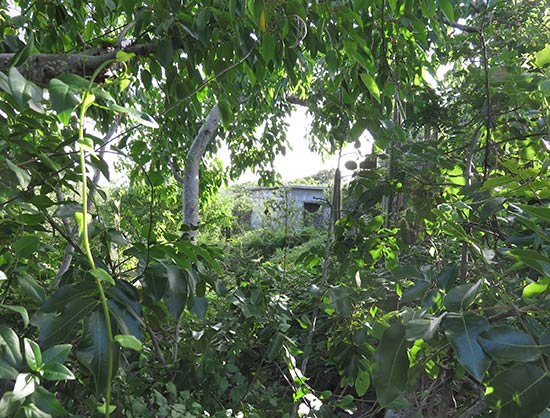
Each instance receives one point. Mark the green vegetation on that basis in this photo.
(426, 295)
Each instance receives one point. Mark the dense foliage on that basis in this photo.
(426, 295)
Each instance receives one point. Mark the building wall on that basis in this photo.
(294, 205)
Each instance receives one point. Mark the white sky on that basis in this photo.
(299, 161)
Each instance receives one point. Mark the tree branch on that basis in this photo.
(41, 68)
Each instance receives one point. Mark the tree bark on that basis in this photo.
(41, 68)
(190, 180)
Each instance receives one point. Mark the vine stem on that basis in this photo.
(88, 252)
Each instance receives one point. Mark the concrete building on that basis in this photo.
(294, 205)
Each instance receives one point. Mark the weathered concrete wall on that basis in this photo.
(295, 205)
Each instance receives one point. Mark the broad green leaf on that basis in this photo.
(23, 176)
(47, 402)
(423, 328)
(102, 276)
(127, 322)
(102, 409)
(534, 289)
(447, 8)
(491, 207)
(9, 404)
(371, 85)
(504, 343)
(26, 245)
(135, 115)
(532, 259)
(68, 294)
(462, 331)
(460, 297)
(57, 329)
(544, 87)
(92, 351)
(57, 353)
(417, 291)
(340, 300)
(33, 354)
(447, 277)
(268, 47)
(165, 53)
(31, 287)
(226, 113)
(539, 212)
(176, 291)
(23, 91)
(21, 311)
(199, 307)
(57, 371)
(519, 392)
(64, 99)
(362, 382)
(122, 56)
(275, 346)
(391, 365)
(25, 385)
(128, 341)
(10, 353)
(542, 57)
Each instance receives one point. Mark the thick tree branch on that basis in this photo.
(41, 68)
(191, 174)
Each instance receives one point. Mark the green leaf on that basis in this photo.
(199, 307)
(33, 355)
(64, 99)
(56, 329)
(165, 53)
(25, 384)
(491, 207)
(102, 276)
(423, 328)
(460, 297)
(21, 311)
(447, 8)
(31, 287)
(447, 277)
(462, 331)
(362, 382)
(69, 294)
(122, 56)
(532, 259)
(47, 402)
(26, 245)
(226, 113)
(135, 115)
(536, 288)
(539, 212)
(542, 57)
(23, 91)
(23, 176)
(128, 341)
(57, 353)
(519, 392)
(391, 365)
(56, 372)
(275, 346)
(9, 404)
(504, 343)
(92, 351)
(371, 85)
(10, 353)
(176, 291)
(102, 409)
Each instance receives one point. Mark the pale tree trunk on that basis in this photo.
(190, 180)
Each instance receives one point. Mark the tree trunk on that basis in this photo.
(190, 181)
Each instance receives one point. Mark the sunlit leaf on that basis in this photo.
(128, 341)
